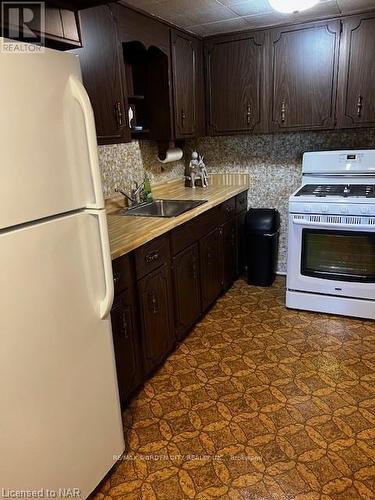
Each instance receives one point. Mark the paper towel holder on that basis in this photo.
(164, 146)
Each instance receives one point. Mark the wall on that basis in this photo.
(273, 163)
(124, 164)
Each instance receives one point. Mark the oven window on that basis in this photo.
(338, 255)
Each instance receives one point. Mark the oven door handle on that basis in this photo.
(333, 225)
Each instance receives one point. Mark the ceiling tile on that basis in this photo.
(228, 26)
(204, 11)
(324, 9)
(267, 19)
(348, 6)
(210, 17)
(248, 7)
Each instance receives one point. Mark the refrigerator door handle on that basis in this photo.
(80, 94)
(106, 304)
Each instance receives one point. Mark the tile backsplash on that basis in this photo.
(124, 164)
(273, 163)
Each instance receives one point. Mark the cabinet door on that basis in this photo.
(304, 76)
(236, 84)
(187, 289)
(187, 84)
(229, 242)
(103, 74)
(156, 303)
(126, 343)
(241, 242)
(184, 65)
(211, 267)
(356, 104)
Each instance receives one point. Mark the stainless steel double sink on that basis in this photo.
(162, 208)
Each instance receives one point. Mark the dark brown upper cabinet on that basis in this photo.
(102, 73)
(304, 61)
(187, 68)
(146, 58)
(236, 84)
(61, 27)
(356, 104)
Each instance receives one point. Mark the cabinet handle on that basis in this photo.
(119, 115)
(248, 114)
(116, 278)
(124, 325)
(359, 106)
(152, 257)
(183, 115)
(283, 111)
(195, 271)
(153, 303)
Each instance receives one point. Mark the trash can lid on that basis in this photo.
(263, 220)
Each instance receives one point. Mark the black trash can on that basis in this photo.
(262, 242)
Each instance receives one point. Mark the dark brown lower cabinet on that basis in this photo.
(187, 294)
(241, 243)
(166, 301)
(229, 253)
(127, 343)
(156, 312)
(211, 267)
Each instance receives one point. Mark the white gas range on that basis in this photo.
(331, 245)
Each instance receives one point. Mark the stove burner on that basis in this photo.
(343, 190)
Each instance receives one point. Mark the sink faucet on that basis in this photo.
(134, 198)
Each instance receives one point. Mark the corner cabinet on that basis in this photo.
(102, 73)
(356, 104)
(304, 62)
(236, 84)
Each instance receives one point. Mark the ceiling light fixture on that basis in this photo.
(292, 6)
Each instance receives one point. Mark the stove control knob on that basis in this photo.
(344, 210)
(324, 209)
(365, 210)
(307, 209)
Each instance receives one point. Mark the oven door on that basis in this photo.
(332, 255)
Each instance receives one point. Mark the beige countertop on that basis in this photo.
(128, 233)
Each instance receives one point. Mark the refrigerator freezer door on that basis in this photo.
(49, 159)
(60, 420)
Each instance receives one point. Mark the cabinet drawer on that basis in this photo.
(241, 202)
(183, 236)
(228, 209)
(152, 255)
(207, 222)
(123, 272)
(187, 234)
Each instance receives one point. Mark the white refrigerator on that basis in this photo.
(60, 419)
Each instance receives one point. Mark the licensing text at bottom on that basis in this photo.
(41, 493)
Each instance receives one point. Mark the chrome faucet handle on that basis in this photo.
(131, 198)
